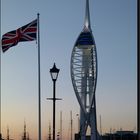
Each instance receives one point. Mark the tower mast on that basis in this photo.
(49, 136)
(24, 133)
(87, 16)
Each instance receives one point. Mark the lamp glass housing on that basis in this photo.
(54, 72)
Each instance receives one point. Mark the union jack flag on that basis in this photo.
(24, 33)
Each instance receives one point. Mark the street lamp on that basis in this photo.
(54, 74)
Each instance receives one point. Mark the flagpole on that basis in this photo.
(0, 89)
(0, 95)
(39, 87)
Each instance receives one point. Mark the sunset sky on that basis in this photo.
(113, 23)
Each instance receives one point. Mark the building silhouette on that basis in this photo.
(118, 135)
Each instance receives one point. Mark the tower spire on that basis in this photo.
(87, 16)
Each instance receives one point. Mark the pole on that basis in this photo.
(78, 123)
(54, 100)
(60, 125)
(100, 126)
(53, 72)
(0, 95)
(54, 109)
(71, 123)
(39, 88)
(0, 87)
(8, 138)
(110, 133)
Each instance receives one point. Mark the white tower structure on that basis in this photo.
(84, 77)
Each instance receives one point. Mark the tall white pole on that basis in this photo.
(71, 123)
(60, 125)
(100, 126)
(39, 87)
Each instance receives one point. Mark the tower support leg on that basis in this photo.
(82, 126)
(92, 125)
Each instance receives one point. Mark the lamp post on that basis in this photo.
(78, 120)
(54, 74)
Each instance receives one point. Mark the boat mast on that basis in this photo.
(71, 122)
(8, 133)
(60, 125)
